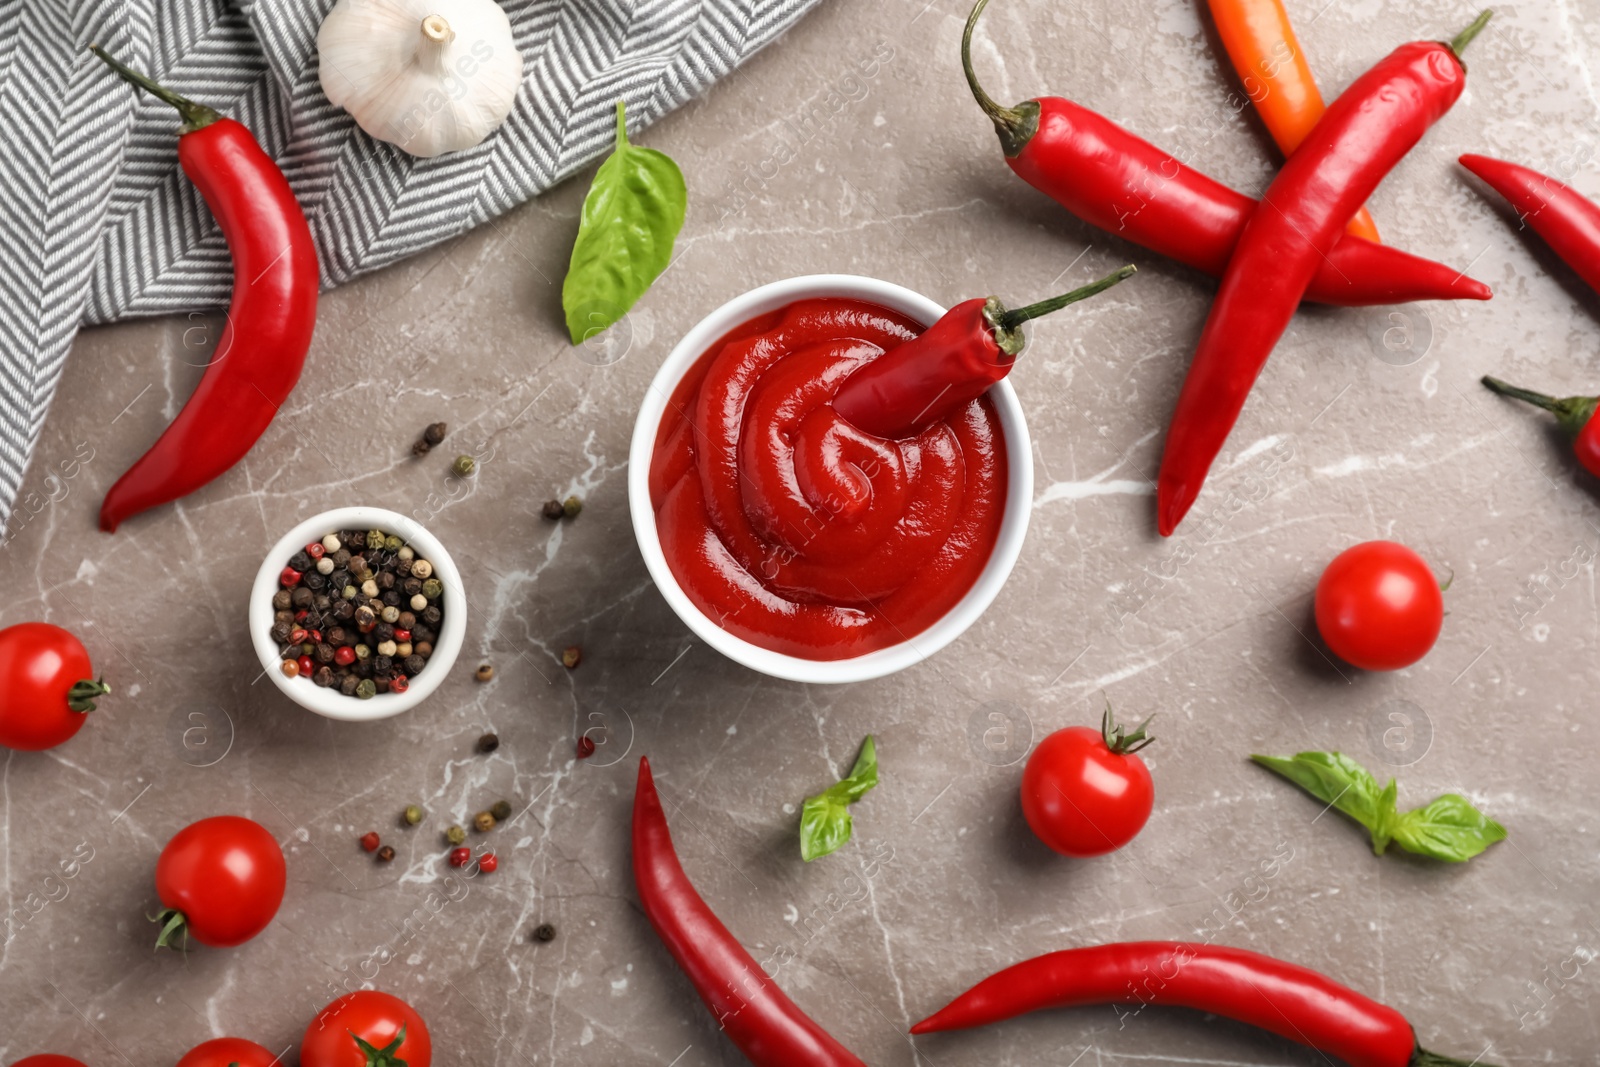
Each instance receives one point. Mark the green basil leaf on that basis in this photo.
(1334, 779)
(631, 217)
(1449, 829)
(1384, 817)
(825, 821)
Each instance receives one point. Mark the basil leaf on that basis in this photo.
(631, 217)
(1335, 779)
(825, 821)
(1449, 829)
(1384, 818)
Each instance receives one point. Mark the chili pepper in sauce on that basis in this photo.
(1272, 66)
(1359, 139)
(1286, 999)
(1130, 188)
(1567, 220)
(955, 361)
(1575, 414)
(748, 1005)
(264, 339)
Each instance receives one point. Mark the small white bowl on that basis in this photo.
(1013, 522)
(330, 702)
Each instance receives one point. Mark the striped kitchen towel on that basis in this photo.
(98, 224)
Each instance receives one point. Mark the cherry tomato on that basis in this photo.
(48, 1059)
(228, 1051)
(46, 686)
(1379, 607)
(1084, 792)
(220, 880)
(366, 1029)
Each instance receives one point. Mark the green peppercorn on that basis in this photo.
(375, 539)
(433, 589)
(501, 811)
(392, 543)
(413, 815)
(455, 835)
(464, 465)
(571, 506)
(366, 689)
(544, 932)
(483, 822)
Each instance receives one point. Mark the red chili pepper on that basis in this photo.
(1291, 1001)
(762, 1022)
(947, 366)
(1357, 141)
(1130, 188)
(264, 340)
(1567, 220)
(1574, 413)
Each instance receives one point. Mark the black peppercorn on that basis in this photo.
(488, 743)
(302, 597)
(322, 602)
(283, 616)
(414, 664)
(402, 567)
(434, 433)
(280, 600)
(347, 685)
(411, 587)
(324, 653)
(341, 560)
(431, 615)
(386, 580)
(323, 678)
(281, 632)
(382, 632)
(501, 810)
(316, 582)
(354, 539)
(553, 510)
(344, 610)
(407, 620)
(385, 854)
(544, 932)
(421, 448)
(383, 665)
(300, 561)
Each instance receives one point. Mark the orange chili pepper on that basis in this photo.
(1270, 62)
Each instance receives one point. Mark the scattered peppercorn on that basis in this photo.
(488, 743)
(385, 854)
(553, 510)
(455, 835)
(464, 465)
(488, 863)
(435, 433)
(484, 673)
(544, 932)
(585, 746)
(460, 856)
(571, 657)
(483, 822)
(571, 506)
(412, 815)
(501, 810)
(369, 840)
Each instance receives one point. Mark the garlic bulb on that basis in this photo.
(430, 76)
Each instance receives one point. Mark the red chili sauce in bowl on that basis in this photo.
(793, 529)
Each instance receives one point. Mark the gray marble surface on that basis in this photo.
(853, 146)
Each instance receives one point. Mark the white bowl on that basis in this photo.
(1013, 522)
(331, 702)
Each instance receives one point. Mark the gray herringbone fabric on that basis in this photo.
(97, 223)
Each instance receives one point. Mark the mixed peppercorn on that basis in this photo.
(359, 611)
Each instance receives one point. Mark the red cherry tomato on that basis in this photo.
(1379, 607)
(47, 686)
(364, 1029)
(1084, 792)
(227, 1052)
(220, 879)
(48, 1059)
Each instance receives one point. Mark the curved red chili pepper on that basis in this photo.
(764, 1023)
(1574, 413)
(1357, 141)
(268, 328)
(1130, 188)
(1289, 1000)
(950, 364)
(1568, 221)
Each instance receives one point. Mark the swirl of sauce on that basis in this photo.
(792, 528)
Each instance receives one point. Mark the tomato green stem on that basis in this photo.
(1015, 125)
(172, 921)
(195, 116)
(1570, 411)
(1119, 739)
(81, 696)
(381, 1057)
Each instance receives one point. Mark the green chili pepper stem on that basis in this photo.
(81, 696)
(1464, 38)
(1010, 320)
(1015, 125)
(1421, 1057)
(1571, 411)
(195, 116)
